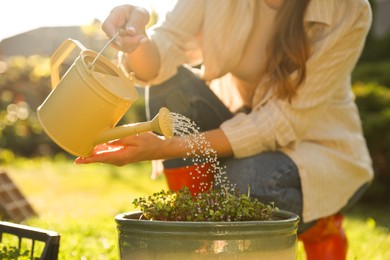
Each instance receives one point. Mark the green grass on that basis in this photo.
(367, 228)
(81, 201)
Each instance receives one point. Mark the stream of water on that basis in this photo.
(201, 152)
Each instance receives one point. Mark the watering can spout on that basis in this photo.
(162, 123)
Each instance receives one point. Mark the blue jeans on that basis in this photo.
(272, 175)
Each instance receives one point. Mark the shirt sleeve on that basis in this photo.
(262, 130)
(177, 38)
(274, 124)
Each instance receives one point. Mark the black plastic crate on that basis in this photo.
(50, 239)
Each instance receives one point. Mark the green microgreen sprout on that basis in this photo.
(212, 205)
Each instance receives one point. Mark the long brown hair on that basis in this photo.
(288, 50)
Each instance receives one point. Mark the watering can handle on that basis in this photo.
(59, 56)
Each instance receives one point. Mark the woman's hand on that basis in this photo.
(143, 58)
(132, 21)
(131, 149)
(148, 146)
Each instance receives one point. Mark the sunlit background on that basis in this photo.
(19, 16)
(80, 201)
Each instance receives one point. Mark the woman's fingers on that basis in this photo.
(131, 21)
(101, 153)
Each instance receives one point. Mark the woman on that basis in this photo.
(282, 68)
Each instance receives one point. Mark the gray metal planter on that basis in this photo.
(145, 239)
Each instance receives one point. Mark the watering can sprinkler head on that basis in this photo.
(162, 123)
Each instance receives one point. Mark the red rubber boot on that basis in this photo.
(326, 240)
(197, 178)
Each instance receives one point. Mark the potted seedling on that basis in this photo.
(217, 223)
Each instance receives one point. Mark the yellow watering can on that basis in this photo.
(89, 100)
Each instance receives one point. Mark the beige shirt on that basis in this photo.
(320, 129)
